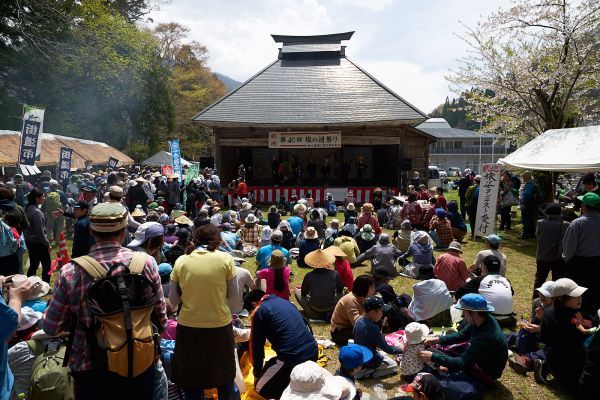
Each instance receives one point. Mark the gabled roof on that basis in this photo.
(312, 83)
(162, 158)
(440, 129)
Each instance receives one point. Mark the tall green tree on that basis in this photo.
(540, 60)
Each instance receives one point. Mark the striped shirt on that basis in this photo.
(69, 299)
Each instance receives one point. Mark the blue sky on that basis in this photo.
(407, 44)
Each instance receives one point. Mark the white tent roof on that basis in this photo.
(569, 149)
(162, 158)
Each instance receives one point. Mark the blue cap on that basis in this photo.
(440, 213)
(373, 303)
(473, 302)
(493, 239)
(90, 187)
(354, 355)
(164, 269)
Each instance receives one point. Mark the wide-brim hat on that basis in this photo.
(350, 207)
(367, 208)
(156, 174)
(473, 302)
(140, 179)
(29, 318)
(176, 214)
(311, 233)
(251, 219)
(319, 259)
(416, 333)
(454, 245)
(300, 208)
(138, 212)
(277, 259)
(335, 251)
(40, 288)
(183, 220)
(309, 381)
(246, 206)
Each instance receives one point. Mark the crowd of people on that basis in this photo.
(154, 301)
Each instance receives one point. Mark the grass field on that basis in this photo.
(520, 271)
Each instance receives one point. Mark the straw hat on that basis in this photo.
(301, 208)
(140, 179)
(350, 207)
(183, 220)
(319, 259)
(138, 212)
(335, 251)
(311, 233)
(251, 219)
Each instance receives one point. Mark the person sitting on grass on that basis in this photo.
(365, 238)
(349, 308)
(483, 360)
(451, 268)
(526, 340)
(492, 244)
(424, 387)
(440, 229)
(264, 253)
(383, 256)
(459, 228)
(309, 243)
(342, 266)
(496, 289)
(348, 245)
(352, 357)
(367, 333)
(402, 237)
(277, 275)
(421, 250)
(321, 288)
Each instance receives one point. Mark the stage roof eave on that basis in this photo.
(229, 124)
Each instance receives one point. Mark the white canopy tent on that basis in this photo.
(569, 149)
(163, 158)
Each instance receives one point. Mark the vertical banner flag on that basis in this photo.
(176, 158)
(31, 136)
(192, 172)
(64, 165)
(112, 162)
(485, 223)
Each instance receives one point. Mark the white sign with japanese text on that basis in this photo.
(485, 223)
(304, 140)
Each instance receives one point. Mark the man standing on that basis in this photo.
(529, 203)
(108, 223)
(581, 251)
(21, 189)
(82, 239)
(590, 184)
(463, 184)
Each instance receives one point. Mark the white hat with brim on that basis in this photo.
(29, 318)
(40, 288)
(567, 287)
(416, 333)
(251, 219)
(311, 233)
(547, 289)
(246, 206)
(309, 381)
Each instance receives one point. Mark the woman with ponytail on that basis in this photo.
(277, 276)
(204, 354)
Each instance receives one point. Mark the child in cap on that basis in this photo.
(411, 364)
(352, 357)
(424, 387)
(367, 333)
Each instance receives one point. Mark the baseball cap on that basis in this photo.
(473, 302)
(590, 199)
(493, 239)
(82, 204)
(547, 289)
(354, 355)
(427, 384)
(145, 231)
(567, 287)
(373, 303)
(90, 187)
(588, 178)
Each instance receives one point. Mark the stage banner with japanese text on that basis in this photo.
(485, 223)
(112, 163)
(303, 140)
(31, 136)
(176, 157)
(64, 165)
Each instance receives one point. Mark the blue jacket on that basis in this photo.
(264, 254)
(82, 237)
(306, 246)
(280, 322)
(10, 322)
(367, 333)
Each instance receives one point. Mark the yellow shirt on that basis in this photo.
(348, 246)
(203, 277)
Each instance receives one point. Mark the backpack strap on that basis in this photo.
(91, 266)
(137, 263)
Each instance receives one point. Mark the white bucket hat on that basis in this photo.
(29, 318)
(251, 219)
(416, 333)
(309, 381)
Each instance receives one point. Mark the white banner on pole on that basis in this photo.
(485, 223)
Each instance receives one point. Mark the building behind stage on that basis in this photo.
(315, 118)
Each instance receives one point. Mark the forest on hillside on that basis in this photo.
(102, 74)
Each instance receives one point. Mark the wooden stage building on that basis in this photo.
(315, 119)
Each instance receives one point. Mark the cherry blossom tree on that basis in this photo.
(541, 61)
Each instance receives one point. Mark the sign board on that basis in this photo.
(166, 170)
(176, 157)
(485, 223)
(64, 164)
(112, 163)
(305, 140)
(31, 136)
